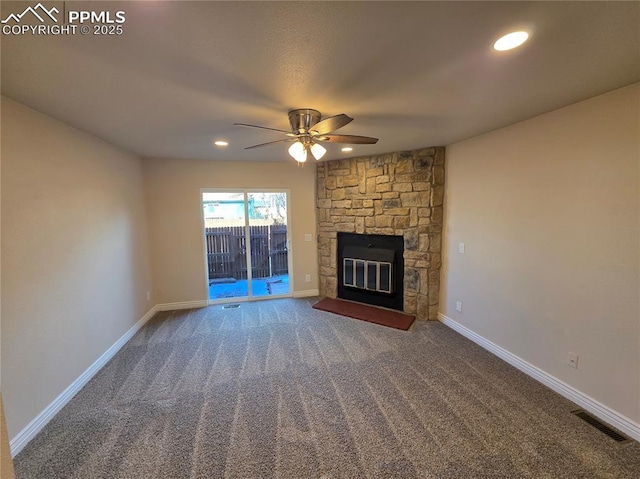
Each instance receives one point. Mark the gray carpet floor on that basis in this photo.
(278, 389)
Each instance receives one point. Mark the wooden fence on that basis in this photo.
(227, 247)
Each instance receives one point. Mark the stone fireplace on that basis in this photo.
(396, 194)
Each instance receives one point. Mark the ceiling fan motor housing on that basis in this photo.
(303, 119)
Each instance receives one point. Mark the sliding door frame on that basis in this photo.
(246, 192)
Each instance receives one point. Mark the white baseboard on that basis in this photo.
(306, 293)
(608, 415)
(30, 430)
(182, 305)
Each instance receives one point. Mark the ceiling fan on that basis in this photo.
(308, 130)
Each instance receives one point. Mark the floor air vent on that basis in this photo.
(585, 416)
(231, 306)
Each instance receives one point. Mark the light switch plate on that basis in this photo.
(461, 248)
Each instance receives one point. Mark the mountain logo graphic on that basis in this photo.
(34, 10)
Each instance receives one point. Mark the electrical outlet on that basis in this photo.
(148, 295)
(459, 306)
(307, 278)
(572, 360)
(461, 248)
(308, 237)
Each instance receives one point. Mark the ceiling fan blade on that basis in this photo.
(331, 124)
(261, 127)
(352, 139)
(271, 143)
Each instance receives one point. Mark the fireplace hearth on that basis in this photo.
(371, 269)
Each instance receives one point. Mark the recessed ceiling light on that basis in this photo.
(510, 41)
(347, 148)
(221, 143)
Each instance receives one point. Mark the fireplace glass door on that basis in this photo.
(369, 275)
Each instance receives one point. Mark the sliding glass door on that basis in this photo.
(226, 246)
(268, 236)
(247, 244)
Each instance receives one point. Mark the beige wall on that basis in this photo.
(6, 464)
(175, 219)
(75, 268)
(549, 212)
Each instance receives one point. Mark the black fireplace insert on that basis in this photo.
(371, 269)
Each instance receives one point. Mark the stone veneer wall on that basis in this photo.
(395, 194)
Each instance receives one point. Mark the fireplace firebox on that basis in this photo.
(371, 269)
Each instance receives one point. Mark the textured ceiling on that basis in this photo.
(413, 74)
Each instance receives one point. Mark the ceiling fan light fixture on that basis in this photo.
(347, 149)
(308, 130)
(510, 41)
(318, 151)
(221, 143)
(298, 152)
